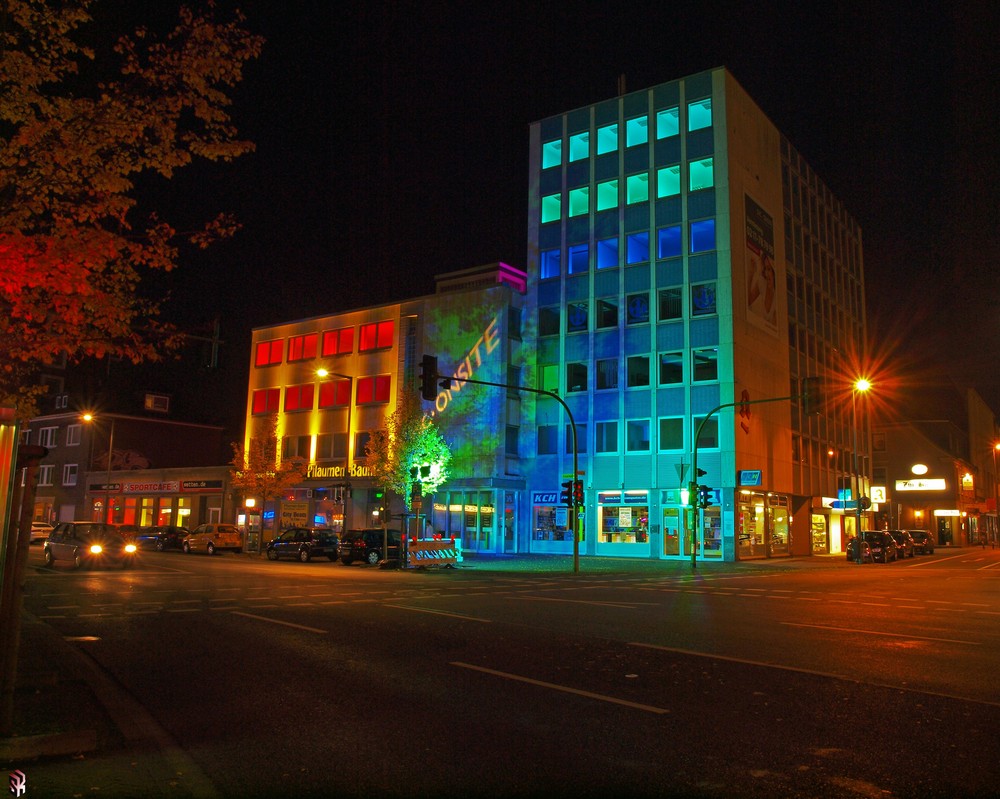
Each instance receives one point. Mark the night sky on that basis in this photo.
(392, 146)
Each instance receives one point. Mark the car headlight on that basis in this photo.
(130, 548)
(96, 549)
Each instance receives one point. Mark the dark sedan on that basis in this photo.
(304, 544)
(161, 537)
(904, 543)
(922, 541)
(88, 544)
(883, 546)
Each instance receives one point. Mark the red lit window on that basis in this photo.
(338, 342)
(299, 398)
(301, 348)
(265, 400)
(373, 389)
(376, 336)
(269, 352)
(335, 394)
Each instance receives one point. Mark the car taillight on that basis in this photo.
(96, 549)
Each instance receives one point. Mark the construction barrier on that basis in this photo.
(433, 552)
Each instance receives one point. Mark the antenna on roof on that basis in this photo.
(621, 84)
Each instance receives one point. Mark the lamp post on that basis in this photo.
(108, 515)
(861, 385)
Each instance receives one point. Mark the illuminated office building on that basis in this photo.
(682, 256)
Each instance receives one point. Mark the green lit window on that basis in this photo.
(668, 122)
(607, 195)
(548, 320)
(704, 365)
(579, 146)
(671, 434)
(607, 312)
(551, 208)
(700, 114)
(607, 139)
(579, 259)
(638, 248)
(606, 437)
(550, 261)
(637, 367)
(576, 377)
(579, 201)
(607, 253)
(636, 131)
(577, 316)
(548, 377)
(637, 188)
(668, 242)
(551, 153)
(670, 303)
(668, 181)
(671, 368)
(703, 235)
(703, 299)
(701, 175)
(637, 435)
(606, 373)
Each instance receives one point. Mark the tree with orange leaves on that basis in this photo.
(74, 247)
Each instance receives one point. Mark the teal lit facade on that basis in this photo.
(681, 257)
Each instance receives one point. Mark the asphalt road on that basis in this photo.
(804, 680)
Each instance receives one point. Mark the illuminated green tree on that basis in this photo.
(86, 115)
(408, 449)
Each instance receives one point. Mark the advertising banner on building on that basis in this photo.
(761, 279)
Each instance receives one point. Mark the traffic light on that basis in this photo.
(566, 497)
(704, 496)
(578, 493)
(693, 494)
(813, 395)
(428, 377)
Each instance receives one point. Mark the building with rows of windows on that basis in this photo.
(686, 270)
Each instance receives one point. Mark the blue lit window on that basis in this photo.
(551, 263)
(579, 146)
(607, 139)
(637, 367)
(579, 201)
(579, 259)
(671, 306)
(667, 122)
(607, 312)
(637, 248)
(704, 365)
(700, 114)
(637, 188)
(703, 299)
(548, 320)
(637, 309)
(551, 153)
(607, 253)
(636, 131)
(607, 195)
(606, 373)
(606, 437)
(551, 208)
(671, 368)
(637, 435)
(577, 314)
(668, 181)
(576, 377)
(668, 242)
(701, 174)
(671, 434)
(703, 235)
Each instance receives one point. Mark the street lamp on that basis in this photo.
(108, 513)
(861, 385)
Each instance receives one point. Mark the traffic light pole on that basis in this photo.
(573, 509)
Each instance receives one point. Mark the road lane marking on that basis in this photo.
(564, 688)
(631, 605)
(278, 621)
(877, 632)
(439, 613)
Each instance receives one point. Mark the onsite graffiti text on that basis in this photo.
(473, 361)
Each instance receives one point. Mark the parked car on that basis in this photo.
(367, 545)
(922, 541)
(304, 544)
(904, 543)
(212, 537)
(852, 551)
(883, 545)
(39, 532)
(161, 537)
(88, 544)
